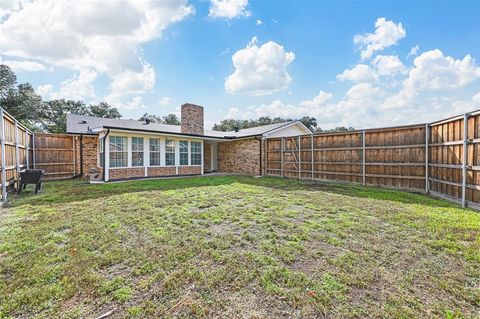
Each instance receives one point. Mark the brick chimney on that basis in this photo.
(192, 119)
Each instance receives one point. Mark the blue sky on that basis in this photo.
(247, 59)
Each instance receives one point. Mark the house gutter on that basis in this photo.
(104, 153)
(81, 155)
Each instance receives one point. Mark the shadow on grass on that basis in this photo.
(79, 190)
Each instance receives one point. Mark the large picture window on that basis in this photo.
(196, 153)
(137, 151)
(183, 152)
(118, 151)
(154, 152)
(170, 152)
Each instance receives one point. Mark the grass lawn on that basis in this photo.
(236, 247)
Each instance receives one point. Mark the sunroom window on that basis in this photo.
(137, 151)
(183, 152)
(154, 152)
(196, 153)
(170, 152)
(118, 151)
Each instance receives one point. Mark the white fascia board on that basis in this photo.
(307, 131)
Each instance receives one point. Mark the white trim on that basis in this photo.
(106, 169)
(308, 132)
(201, 157)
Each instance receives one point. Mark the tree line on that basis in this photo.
(24, 104)
(309, 121)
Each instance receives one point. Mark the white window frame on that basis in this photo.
(180, 152)
(199, 152)
(124, 151)
(175, 152)
(142, 151)
(160, 152)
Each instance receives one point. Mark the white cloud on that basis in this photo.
(476, 99)
(228, 9)
(259, 22)
(386, 34)
(359, 73)
(45, 90)
(318, 100)
(132, 82)
(19, 66)
(8, 6)
(413, 51)
(260, 70)
(434, 71)
(134, 103)
(102, 36)
(164, 101)
(386, 65)
(78, 87)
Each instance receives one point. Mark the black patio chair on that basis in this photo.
(30, 176)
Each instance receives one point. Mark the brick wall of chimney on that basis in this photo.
(192, 119)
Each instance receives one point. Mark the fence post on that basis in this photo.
(33, 150)
(27, 149)
(299, 158)
(313, 176)
(264, 142)
(74, 154)
(363, 158)
(17, 155)
(281, 157)
(465, 158)
(4, 172)
(427, 139)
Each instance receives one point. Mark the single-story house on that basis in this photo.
(123, 149)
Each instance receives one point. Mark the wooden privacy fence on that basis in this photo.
(57, 154)
(16, 151)
(441, 158)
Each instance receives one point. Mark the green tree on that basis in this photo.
(104, 110)
(171, 119)
(151, 117)
(310, 122)
(336, 129)
(54, 114)
(8, 79)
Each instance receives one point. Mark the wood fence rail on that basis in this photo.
(21, 149)
(441, 158)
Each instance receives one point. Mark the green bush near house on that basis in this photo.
(224, 247)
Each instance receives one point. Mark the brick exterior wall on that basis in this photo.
(89, 150)
(240, 157)
(207, 157)
(124, 173)
(192, 119)
(161, 171)
(189, 170)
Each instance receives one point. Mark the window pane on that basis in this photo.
(137, 144)
(183, 146)
(170, 159)
(118, 159)
(170, 146)
(155, 158)
(154, 145)
(196, 159)
(137, 158)
(118, 143)
(183, 158)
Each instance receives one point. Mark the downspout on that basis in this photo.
(104, 153)
(260, 140)
(81, 155)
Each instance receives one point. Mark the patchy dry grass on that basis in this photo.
(236, 247)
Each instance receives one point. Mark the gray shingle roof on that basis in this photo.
(83, 124)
